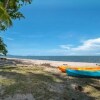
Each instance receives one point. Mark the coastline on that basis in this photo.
(55, 63)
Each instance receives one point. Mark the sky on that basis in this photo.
(56, 27)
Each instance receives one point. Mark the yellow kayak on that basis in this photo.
(64, 68)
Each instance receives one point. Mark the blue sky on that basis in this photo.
(56, 27)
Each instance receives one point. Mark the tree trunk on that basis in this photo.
(6, 2)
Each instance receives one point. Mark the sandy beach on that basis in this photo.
(25, 79)
(54, 63)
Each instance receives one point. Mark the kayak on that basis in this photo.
(83, 73)
(64, 68)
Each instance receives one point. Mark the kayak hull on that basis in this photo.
(78, 73)
(64, 68)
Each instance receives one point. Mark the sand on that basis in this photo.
(54, 63)
(26, 79)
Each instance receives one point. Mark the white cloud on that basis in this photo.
(91, 44)
(66, 46)
(88, 47)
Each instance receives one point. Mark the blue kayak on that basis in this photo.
(81, 73)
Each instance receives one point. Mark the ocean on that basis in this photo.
(89, 59)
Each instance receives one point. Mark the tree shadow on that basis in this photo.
(7, 62)
(43, 86)
(73, 82)
(8, 68)
(13, 62)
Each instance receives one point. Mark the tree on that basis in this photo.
(9, 11)
(5, 20)
(3, 48)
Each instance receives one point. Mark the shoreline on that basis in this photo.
(54, 63)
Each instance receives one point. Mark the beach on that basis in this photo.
(53, 63)
(50, 50)
(26, 79)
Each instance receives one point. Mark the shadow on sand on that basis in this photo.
(44, 86)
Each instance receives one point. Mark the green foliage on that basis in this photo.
(5, 20)
(3, 49)
(9, 11)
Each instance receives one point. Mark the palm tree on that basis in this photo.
(3, 49)
(5, 20)
(9, 9)
(6, 2)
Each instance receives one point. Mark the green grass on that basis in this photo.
(43, 84)
(25, 80)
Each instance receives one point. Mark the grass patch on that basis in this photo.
(43, 85)
(26, 80)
